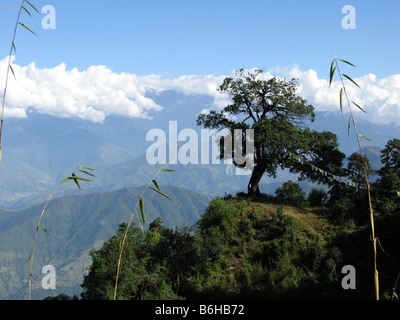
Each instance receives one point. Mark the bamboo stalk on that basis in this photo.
(371, 211)
(8, 73)
(129, 223)
(9, 66)
(72, 177)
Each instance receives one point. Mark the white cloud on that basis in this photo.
(97, 92)
(91, 94)
(380, 98)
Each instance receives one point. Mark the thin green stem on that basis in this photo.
(34, 241)
(371, 211)
(73, 177)
(8, 73)
(127, 229)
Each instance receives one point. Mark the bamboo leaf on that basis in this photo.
(83, 179)
(26, 10)
(74, 177)
(141, 203)
(66, 179)
(88, 173)
(140, 221)
(332, 72)
(12, 70)
(346, 76)
(365, 137)
(76, 180)
(45, 230)
(156, 184)
(341, 100)
(32, 6)
(167, 170)
(29, 258)
(348, 127)
(359, 107)
(13, 46)
(86, 168)
(348, 63)
(162, 193)
(27, 28)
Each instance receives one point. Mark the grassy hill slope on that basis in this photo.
(257, 250)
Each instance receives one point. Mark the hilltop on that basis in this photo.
(245, 248)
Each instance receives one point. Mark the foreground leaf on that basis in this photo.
(332, 71)
(348, 126)
(156, 184)
(86, 168)
(341, 100)
(26, 10)
(84, 171)
(162, 193)
(75, 178)
(167, 170)
(140, 221)
(32, 6)
(14, 48)
(347, 77)
(27, 28)
(12, 70)
(365, 137)
(348, 63)
(45, 230)
(141, 203)
(359, 107)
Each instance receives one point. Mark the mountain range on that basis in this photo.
(41, 150)
(76, 225)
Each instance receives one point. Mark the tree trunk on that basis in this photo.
(253, 186)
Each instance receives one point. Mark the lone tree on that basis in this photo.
(277, 115)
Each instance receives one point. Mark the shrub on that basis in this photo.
(317, 197)
(291, 193)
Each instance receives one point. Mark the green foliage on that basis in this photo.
(241, 249)
(236, 250)
(277, 114)
(141, 278)
(351, 204)
(291, 193)
(387, 188)
(355, 168)
(317, 197)
(142, 219)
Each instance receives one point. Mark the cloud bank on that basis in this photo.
(98, 92)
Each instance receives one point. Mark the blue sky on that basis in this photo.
(103, 56)
(207, 37)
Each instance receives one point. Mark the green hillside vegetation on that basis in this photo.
(287, 246)
(243, 248)
(78, 224)
(291, 245)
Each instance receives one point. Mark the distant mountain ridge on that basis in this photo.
(41, 150)
(78, 224)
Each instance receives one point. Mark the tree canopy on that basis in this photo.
(278, 116)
